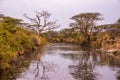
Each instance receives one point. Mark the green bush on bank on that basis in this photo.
(15, 41)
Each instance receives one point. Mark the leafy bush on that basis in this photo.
(15, 41)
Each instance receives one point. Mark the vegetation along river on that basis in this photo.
(69, 62)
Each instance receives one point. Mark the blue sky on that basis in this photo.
(62, 10)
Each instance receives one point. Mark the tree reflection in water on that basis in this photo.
(43, 69)
(85, 64)
(91, 64)
(83, 70)
(43, 75)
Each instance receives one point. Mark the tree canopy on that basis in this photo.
(85, 23)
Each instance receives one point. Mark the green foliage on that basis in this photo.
(85, 24)
(15, 41)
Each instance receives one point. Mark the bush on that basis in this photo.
(15, 41)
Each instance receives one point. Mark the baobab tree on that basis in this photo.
(41, 22)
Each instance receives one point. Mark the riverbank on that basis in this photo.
(21, 64)
(15, 42)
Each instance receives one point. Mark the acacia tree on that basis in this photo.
(41, 22)
(85, 23)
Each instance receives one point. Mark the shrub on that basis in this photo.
(15, 41)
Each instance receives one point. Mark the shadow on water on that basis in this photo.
(20, 65)
(67, 62)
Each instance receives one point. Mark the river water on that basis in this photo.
(69, 62)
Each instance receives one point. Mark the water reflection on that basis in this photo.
(38, 71)
(87, 65)
(20, 66)
(83, 67)
(70, 62)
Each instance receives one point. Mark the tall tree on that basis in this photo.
(41, 22)
(85, 23)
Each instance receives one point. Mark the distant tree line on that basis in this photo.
(84, 31)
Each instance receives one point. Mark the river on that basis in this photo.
(70, 62)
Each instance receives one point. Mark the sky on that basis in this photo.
(62, 11)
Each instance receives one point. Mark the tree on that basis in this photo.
(41, 22)
(10, 22)
(85, 23)
(118, 21)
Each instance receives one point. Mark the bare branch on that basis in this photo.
(41, 21)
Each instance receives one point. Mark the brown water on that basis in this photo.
(69, 62)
